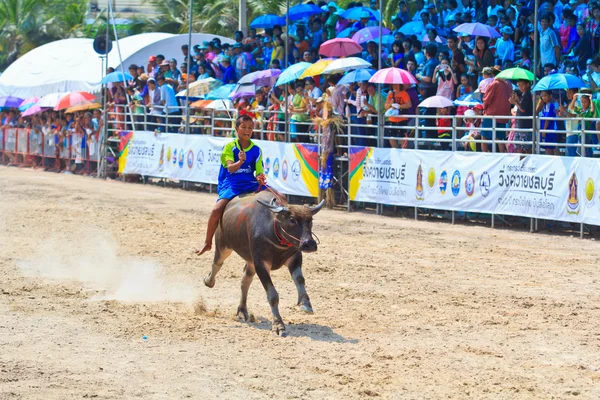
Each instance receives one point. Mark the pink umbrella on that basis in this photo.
(28, 103)
(393, 76)
(369, 33)
(340, 47)
(74, 99)
(33, 110)
(436, 102)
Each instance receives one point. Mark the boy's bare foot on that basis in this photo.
(207, 247)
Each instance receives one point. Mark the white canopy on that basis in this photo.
(72, 65)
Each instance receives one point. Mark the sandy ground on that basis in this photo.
(403, 309)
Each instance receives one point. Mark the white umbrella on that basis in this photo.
(51, 100)
(220, 105)
(346, 64)
(436, 102)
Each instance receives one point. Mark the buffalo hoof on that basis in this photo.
(306, 308)
(209, 283)
(242, 314)
(279, 329)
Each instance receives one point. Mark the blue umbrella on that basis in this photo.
(346, 33)
(220, 93)
(412, 28)
(117, 76)
(10, 101)
(468, 100)
(358, 75)
(354, 13)
(267, 21)
(387, 40)
(303, 11)
(292, 73)
(558, 81)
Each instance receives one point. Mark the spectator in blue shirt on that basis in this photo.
(227, 70)
(364, 20)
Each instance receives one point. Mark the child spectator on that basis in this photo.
(472, 133)
(547, 108)
(464, 87)
(444, 127)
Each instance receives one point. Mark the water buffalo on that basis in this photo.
(267, 235)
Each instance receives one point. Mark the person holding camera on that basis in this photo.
(445, 79)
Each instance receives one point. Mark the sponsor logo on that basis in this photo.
(181, 160)
(484, 184)
(590, 192)
(276, 168)
(296, 170)
(169, 155)
(470, 184)
(419, 185)
(284, 170)
(443, 182)
(190, 159)
(431, 179)
(200, 159)
(174, 157)
(456, 183)
(161, 160)
(573, 199)
(267, 166)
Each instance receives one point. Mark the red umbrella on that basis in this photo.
(340, 47)
(74, 99)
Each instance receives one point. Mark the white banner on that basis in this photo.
(545, 187)
(290, 168)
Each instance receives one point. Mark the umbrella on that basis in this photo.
(221, 92)
(393, 76)
(468, 100)
(220, 105)
(83, 107)
(74, 99)
(354, 13)
(515, 74)
(369, 33)
(340, 47)
(292, 73)
(558, 81)
(477, 29)
(28, 103)
(359, 75)
(436, 102)
(51, 100)
(33, 110)
(267, 21)
(317, 68)
(412, 28)
(10, 101)
(117, 76)
(387, 40)
(346, 33)
(243, 90)
(201, 87)
(303, 11)
(201, 103)
(346, 64)
(268, 77)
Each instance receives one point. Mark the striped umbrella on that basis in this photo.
(51, 100)
(292, 73)
(74, 99)
(317, 68)
(393, 76)
(28, 103)
(346, 64)
(201, 88)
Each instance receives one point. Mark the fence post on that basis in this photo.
(583, 155)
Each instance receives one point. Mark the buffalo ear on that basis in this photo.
(274, 208)
(317, 208)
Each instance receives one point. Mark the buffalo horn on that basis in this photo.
(317, 208)
(272, 207)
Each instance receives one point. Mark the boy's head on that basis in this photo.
(464, 80)
(244, 126)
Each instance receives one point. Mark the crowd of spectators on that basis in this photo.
(443, 62)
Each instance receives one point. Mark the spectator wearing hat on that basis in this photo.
(365, 16)
(505, 48)
(164, 68)
(332, 19)
(227, 70)
(433, 17)
(152, 67)
(496, 103)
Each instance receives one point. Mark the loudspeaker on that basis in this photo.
(101, 45)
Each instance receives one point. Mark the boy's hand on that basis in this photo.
(262, 179)
(242, 156)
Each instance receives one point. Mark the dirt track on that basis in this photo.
(403, 309)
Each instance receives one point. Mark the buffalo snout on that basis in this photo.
(309, 246)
